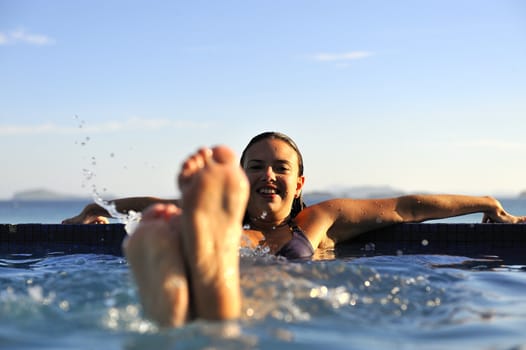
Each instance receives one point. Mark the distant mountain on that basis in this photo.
(371, 192)
(43, 195)
(310, 197)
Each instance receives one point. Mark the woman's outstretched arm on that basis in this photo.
(94, 213)
(344, 219)
(418, 208)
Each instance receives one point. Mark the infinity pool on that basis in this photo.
(88, 301)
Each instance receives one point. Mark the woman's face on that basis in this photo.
(272, 169)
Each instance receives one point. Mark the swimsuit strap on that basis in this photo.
(299, 246)
(293, 226)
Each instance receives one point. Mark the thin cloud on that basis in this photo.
(496, 144)
(341, 57)
(132, 124)
(22, 36)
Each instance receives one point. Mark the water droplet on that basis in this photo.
(369, 247)
(64, 305)
(132, 310)
(425, 242)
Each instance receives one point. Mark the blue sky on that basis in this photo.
(418, 95)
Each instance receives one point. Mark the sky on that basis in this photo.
(422, 96)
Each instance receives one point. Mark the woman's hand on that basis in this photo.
(95, 214)
(499, 215)
(86, 220)
(91, 214)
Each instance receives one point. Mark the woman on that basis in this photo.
(277, 218)
(274, 167)
(185, 260)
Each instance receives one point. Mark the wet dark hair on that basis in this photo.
(298, 204)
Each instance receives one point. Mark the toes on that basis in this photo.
(160, 211)
(203, 158)
(152, 212)
(222, 154)
(196, 162)
(206, 153)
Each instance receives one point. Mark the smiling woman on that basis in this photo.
(204, 228)
(275, 212)
(270, 157)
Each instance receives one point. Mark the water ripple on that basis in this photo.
(376, 302)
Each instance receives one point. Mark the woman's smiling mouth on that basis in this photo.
(268, 191)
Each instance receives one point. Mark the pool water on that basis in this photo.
(89, 301)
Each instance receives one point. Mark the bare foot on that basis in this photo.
(215, 194)
(155, 256)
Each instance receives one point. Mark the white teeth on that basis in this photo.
(267, 191)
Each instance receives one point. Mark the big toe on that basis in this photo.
(223, 154)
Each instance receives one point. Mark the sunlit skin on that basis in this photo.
(188, 250)
(272, 167)
(185, 260)
(156, 260)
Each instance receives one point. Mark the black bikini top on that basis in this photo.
(299, 247)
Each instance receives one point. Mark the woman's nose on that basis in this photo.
(270, 174)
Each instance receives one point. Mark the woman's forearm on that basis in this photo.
(417, 208)
(92, 212)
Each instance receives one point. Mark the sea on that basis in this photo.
(401, 301)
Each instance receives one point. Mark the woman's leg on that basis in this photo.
(154, 253)
(187, 262)
(215, 192)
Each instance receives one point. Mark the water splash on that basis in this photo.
(130, 220)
